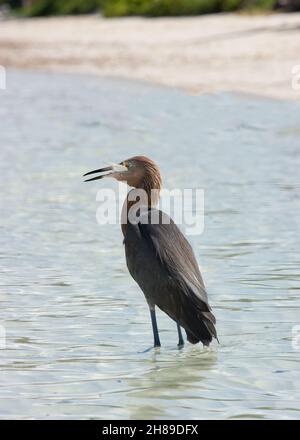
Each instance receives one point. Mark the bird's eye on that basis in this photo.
(125, 164)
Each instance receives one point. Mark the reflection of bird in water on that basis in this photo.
(159, 257)
(170, 382)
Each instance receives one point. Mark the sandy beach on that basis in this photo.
(207, 54)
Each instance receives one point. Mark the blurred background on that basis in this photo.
(152, 8)
(191, 44)
(214, 100)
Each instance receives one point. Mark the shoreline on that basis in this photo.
(202, 55)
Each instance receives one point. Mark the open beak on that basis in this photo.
(107, 171)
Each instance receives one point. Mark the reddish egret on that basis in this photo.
(159, 257)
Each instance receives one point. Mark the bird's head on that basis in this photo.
(137, 172)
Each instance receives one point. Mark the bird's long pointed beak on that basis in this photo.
(108, 171)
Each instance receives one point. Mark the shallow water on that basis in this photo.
(76, 323)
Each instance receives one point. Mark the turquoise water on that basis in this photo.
(76, 323)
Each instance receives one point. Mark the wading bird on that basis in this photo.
(159, 257)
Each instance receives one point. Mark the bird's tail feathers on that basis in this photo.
(201, 327)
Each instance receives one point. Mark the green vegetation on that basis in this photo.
(260, 5)
(151, 8)
(156, 8)
(54, 7)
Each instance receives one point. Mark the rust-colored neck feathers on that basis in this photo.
(151, 180)
(146, 176)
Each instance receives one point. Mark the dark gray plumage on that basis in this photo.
(162, 262)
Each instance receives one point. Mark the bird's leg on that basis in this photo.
(154, 328)
(180, 338)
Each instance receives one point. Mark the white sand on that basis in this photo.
(223, 52)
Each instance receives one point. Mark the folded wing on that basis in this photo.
(162, 262)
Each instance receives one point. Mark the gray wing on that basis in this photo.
(162, 262)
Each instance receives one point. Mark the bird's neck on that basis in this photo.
(139, 199)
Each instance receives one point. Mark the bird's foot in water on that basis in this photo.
(155, 347)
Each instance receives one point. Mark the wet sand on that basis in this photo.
(208, 54)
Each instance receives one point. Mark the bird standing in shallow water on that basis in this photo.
(159, 257)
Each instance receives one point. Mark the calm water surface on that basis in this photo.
(76, 323)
